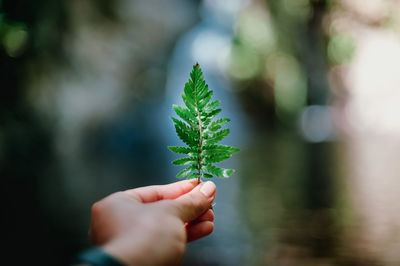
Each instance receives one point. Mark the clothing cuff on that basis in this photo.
(96, 257)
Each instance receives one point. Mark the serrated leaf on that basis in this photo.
(185, 172)
(205, 175)
(216, 158)
(218, 136)
(186, 134)
(211, 106)
(219, 172)
(210, 116)
(190, 106)
(216, 125)
(184, 161)
(182, 150)
(199, 132)
(202, 89)
(202, 102)
(213, 113)
(196, 73)
(185, 114)
(193, 175)
(189, 93)
(215, 149)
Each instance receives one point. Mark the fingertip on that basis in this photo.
(196, 202)
(208, 188)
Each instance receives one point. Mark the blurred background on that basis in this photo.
(312, 88)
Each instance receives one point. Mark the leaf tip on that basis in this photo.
(228, 172)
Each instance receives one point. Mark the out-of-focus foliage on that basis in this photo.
(340, 49)
(274, 46)
(13, 35)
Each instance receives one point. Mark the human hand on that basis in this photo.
(151, 225)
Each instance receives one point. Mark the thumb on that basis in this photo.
(193, 204)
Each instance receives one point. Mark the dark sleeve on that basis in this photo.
(95, 257)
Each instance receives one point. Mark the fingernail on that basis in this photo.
(208, 188)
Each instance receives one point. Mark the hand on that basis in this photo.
(151, 225)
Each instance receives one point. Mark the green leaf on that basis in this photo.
(185, 114)
(186, 134)
(189, 92)
(185, 172)
(207, 175)
(199, 132)
(184, 161)
(217, 137)
(182, 150)
(205, 100)
(220, 172)
(193, 175)
(189, 105)
(213, 113)
(210, 116)
(211, 106)
(202, 89)
(216, 158)
(218, 124)
(196, 73)
(218, 149)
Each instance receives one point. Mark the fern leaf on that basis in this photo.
(205, 100)
(188, 104)
(218, 136)
(184, 161)
(207, 175)
(185, 172)
(193, 175)
(182, 150)
(199, 133)
(218, 149)
(216, 125)
(220, 172)
(210, 116)
(185, 130)
(216, 158)
(185, 114)
(211, 106)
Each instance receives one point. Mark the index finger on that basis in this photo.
(161, 192)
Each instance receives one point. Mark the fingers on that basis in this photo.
(191, 205)
(201, 227)
(161, 192)
(207, 216)
(199, 230)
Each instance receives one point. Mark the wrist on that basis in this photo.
(125, 253)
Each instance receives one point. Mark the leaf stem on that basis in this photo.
(200, 144)
(200, 130)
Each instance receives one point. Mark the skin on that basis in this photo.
(151, 225)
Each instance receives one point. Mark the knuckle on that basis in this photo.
(100, 206)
